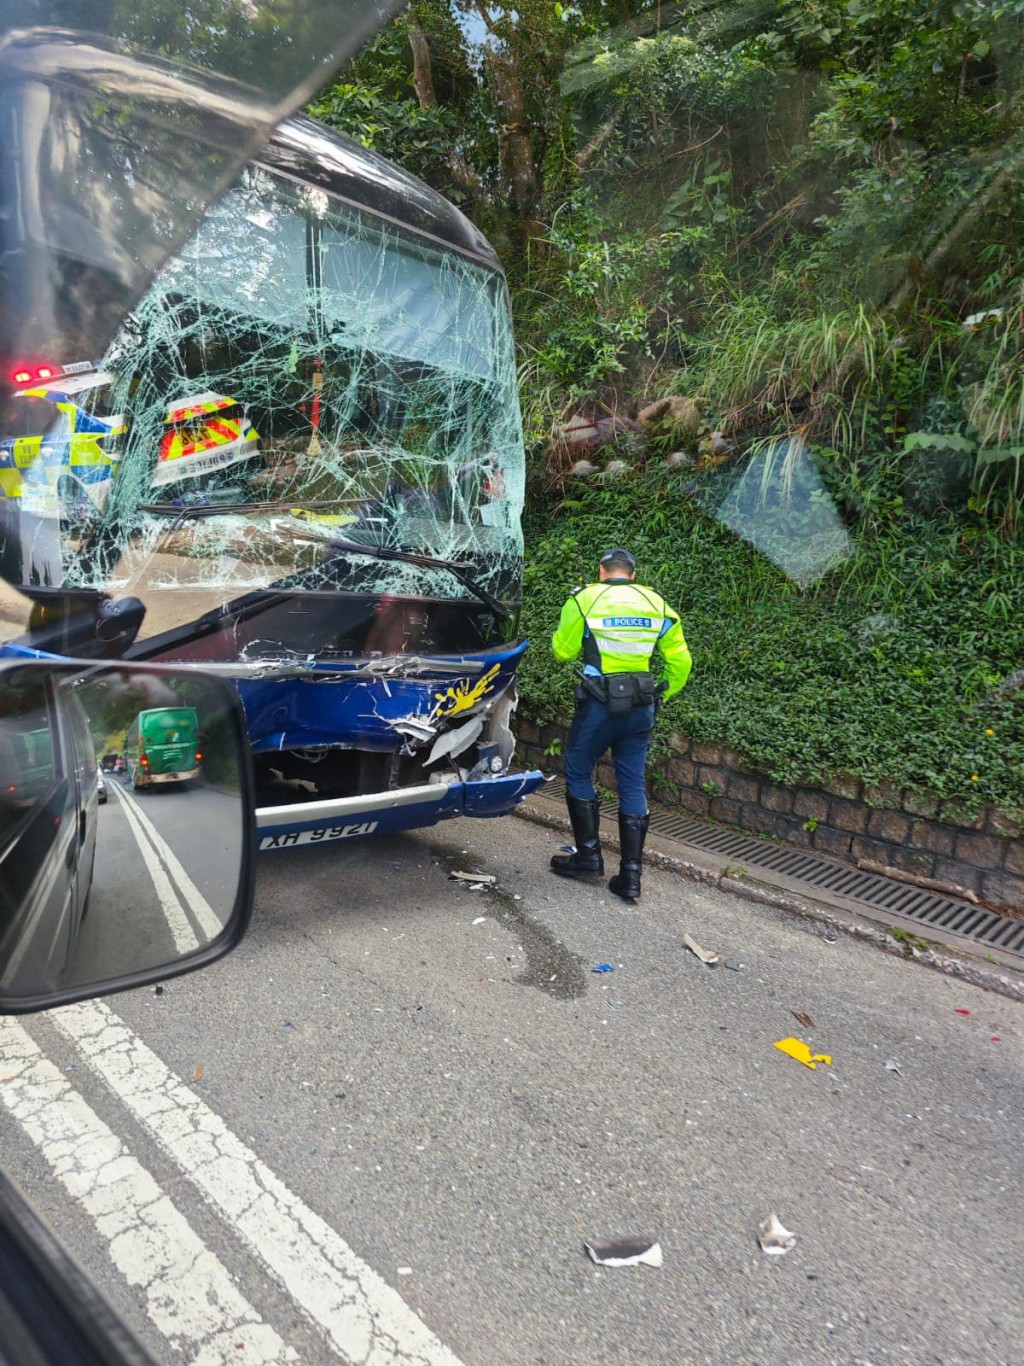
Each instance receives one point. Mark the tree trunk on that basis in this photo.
(517, 162)
(422, 68)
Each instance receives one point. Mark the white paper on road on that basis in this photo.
(187, 1292)
(366, 1320)
(617, 1252)
(774, 1238)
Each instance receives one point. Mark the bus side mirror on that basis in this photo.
(115, 880)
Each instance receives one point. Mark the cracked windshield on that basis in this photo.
(586, 440)
(303, 377)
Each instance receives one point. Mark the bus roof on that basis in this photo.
(306, 149)
(144, 716)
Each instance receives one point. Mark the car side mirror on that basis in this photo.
(111, 880)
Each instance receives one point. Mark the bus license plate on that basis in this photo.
(290, 839)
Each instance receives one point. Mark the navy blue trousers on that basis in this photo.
(592, 732)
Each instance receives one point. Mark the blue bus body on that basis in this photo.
(317, 494)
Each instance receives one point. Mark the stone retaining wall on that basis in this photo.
(882, 829)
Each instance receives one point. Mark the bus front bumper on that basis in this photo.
(384, 813)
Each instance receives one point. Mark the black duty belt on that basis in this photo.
(620, 693)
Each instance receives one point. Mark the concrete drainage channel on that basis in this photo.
(815, 885)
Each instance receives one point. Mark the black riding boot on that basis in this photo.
(587, 863)
(632, 833)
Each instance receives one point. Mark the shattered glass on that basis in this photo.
(780, 505)
(307, 398)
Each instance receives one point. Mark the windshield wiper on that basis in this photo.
(457, 571)
(186, 510)
(373, 551)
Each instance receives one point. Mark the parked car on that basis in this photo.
(62, 443)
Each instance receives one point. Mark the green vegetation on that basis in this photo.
(886, 669)
(804, 222)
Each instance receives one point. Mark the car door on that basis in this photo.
(39, 836)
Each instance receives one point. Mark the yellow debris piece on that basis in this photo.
(796, 1048)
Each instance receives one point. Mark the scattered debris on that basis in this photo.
(480, 920)
(603, 967)
(197, 1075)
(891, 1065)
(287, 1024)
(958, 1011)
(158, 991)
(997, 1038)
(731, 964)
(796, 1048)
(479, 878)
(803, 1018)
(454, 742)
(625, 1251)
(708, 959)
(405, 1271)
(774, 1238)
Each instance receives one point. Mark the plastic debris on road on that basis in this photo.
(708, 959)
(474, 880)
(959, 1011)
(732, 964)
(803, 1018)
(405, 1271)
(775, 1240)
(480, 920)
(197, 1075)
(603, 967)
(891, 1065)
(625, 1251)
(796, 1048)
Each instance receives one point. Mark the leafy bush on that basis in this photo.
(887, 669)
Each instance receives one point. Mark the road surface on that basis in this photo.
(382, 1130)
(164, 880)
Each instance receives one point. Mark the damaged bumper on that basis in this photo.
(381, 813)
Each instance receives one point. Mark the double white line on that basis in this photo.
(188, 1293)
(160, 860)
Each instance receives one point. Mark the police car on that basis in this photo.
(204, 434)
(60, 443)
(58, 446)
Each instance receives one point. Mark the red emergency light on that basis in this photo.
(26, 373)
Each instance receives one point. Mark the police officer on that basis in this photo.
(618, 625)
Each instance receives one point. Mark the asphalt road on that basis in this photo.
(417, 1101)
(164, 878)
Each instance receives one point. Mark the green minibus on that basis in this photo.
(162, 746)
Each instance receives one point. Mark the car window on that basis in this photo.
(28, 415)
(29, 763)
(81, 736)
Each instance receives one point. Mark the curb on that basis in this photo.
(815, 917)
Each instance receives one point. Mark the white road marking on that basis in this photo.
(209, 922)
(367, 1321)
(188, 1293)
(184, 936)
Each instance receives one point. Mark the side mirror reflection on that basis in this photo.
(125, 828)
